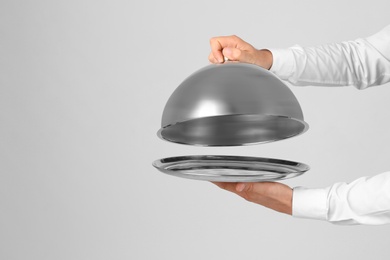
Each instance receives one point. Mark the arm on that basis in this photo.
(363, 201)
(361, 63)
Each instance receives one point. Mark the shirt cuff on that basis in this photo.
(283, 64)
(310, 203)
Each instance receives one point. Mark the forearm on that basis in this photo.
(363, 201)
(361, 63)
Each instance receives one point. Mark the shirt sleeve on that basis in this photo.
(363, 201)
(361, 63)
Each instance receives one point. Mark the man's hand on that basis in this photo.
(235, 49)
(273, 195)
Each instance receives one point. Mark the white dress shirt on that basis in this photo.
(361, 63)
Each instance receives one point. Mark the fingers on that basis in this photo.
(232, 54)
(212, 59)
(229, 186)
(244, 187)
(235, 187)
(216, 50)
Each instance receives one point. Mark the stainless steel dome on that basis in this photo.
(230, 105)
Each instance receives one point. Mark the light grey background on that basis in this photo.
(82, 89)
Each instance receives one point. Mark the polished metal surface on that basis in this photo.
(230, 105)
(230, 168)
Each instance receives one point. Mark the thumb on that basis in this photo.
(235, 54)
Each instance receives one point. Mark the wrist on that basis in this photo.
(281, 198)
(264, 58)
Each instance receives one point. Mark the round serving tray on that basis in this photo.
(222, 168)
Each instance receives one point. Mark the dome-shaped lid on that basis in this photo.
(230, 105)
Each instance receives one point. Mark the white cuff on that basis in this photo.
(283, 64)
(310, 203)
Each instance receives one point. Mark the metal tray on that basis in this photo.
(222, 168)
